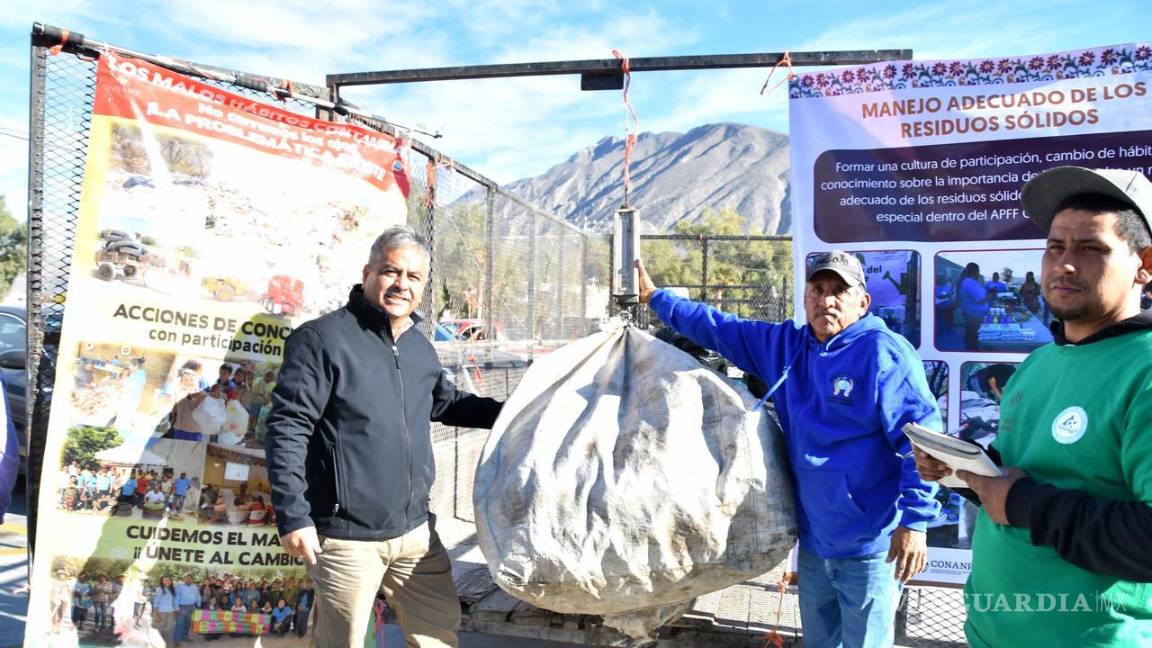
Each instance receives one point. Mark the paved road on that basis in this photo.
(14, 571)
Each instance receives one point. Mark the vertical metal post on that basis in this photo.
(533, 332)
(490, 269)
(704, 271)
(35, 215)
(584, 283)
(786, 298)
(34, 286)
(430, 222)
(560, 287)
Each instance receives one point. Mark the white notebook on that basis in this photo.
(955, 453)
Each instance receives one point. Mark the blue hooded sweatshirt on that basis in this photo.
(842, 409)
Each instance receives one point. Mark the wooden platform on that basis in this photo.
(741, 615)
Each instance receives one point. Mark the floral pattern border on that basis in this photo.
(1102, 61)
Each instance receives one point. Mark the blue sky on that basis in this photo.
(512, 128)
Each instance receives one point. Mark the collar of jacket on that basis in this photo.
(1140, 322)
(855, 330)
(371, 314)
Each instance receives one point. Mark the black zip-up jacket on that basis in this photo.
(1098, 535)
(349, 446)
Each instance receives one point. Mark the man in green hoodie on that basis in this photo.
(1060, 554)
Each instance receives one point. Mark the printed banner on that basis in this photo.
(917, 168)
(212, 622)
(210, 225)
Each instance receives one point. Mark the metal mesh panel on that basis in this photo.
(746, 275)
(931, 617)
(507, 285)
(62, 90)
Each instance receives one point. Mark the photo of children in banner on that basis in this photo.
(893, 281)
(981, 386)
(219, 402)
(990, 301)
(103, 600)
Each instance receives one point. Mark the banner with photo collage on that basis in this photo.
(210, 225)
(916, 167)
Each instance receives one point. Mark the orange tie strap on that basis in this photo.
(287, 88)
(786, 61)
(631, 123)
(429, 199)
(55, 49)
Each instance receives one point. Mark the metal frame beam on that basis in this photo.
(612, 66)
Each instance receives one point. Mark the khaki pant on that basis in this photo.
(415, 574)
(165, 624)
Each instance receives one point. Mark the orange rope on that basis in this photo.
(430, 183)
(287, 88)
(55, 49)
(630, 118)
(773, 637)
(786, 61)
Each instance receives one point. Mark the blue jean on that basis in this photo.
(184, 621)
(849, 602)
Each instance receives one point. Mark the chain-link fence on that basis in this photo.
(750, 276)
(509, 284)
(62, 90)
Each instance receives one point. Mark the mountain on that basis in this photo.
(675, 177)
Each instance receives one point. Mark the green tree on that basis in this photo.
(84, 442)
(13, 246)
(742, 275)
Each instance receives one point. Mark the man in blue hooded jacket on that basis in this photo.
(863, 509)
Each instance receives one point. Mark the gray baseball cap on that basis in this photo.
(1044, 193)
(842, 263)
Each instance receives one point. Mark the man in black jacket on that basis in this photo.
(350, 453)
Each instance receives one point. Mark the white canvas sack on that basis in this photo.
(622, 475)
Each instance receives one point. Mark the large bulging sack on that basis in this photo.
(623, 475)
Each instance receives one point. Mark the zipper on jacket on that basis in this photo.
(336, 476)
(407, 433)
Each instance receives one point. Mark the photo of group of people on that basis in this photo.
(103, 474)
(230, 410)
(167, 437)
(237, 490)
(990, 301)
(142, 393)
(107, 600)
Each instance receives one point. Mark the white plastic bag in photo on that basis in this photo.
(210, 415)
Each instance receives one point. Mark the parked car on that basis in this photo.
(13, 361)
(474, 330)
(440, 333)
